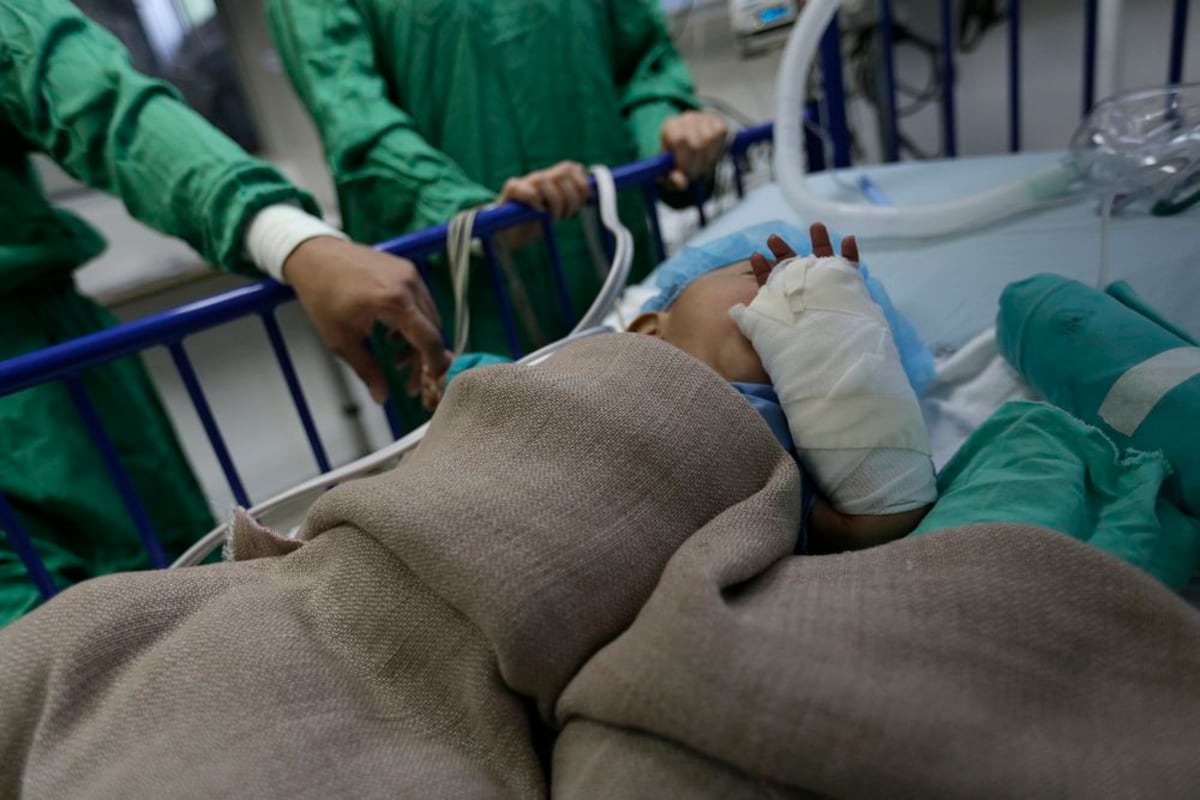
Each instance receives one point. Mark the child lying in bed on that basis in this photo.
(805, 343)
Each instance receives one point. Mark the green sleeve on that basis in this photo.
(389, 179)
(653, 79)
(67, 87)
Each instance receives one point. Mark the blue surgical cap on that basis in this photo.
(677, 272)
(680, 270)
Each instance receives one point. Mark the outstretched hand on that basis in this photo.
(822, 247)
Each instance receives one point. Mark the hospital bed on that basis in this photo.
(948, 287)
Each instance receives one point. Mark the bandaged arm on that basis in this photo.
(852, 413)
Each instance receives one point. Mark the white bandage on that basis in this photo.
(852, 413)
(278, 230)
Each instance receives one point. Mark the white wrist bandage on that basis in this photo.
(852, 413)
(278, 230)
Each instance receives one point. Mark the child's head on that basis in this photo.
(697, 321)
(699, 285)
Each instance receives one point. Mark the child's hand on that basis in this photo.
(821, 245)
(853, 415)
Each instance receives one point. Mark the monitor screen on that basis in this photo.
(773, 14)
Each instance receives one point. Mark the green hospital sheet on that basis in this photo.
(1034, 463)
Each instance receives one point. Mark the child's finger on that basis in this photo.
(779, 248)
(822, 247)
(850, 249)
(761, 267)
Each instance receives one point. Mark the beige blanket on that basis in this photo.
(602, 543)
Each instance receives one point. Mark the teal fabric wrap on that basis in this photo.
(1036, 464)
(467, 361)
(1072, 343)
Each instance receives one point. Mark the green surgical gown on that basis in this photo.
(67, 90)
(426, 107)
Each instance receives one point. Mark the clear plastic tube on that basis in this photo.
(1106, 210)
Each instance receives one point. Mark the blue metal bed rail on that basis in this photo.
(67, 362)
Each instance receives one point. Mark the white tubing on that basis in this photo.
(867, 220)
(458, 251)
(618, 272)
(460, 230)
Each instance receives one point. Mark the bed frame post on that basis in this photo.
(949, 135)
(1089, 55)
(1179, 22)
(835, 94)
(19, 539)
(116, 471)
(1014, 75)
(888, 66)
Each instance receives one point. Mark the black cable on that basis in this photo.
(975, 18)
(907, 145)
(864, 57)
